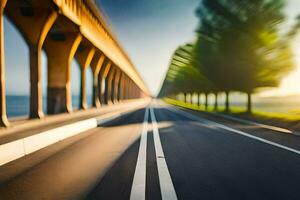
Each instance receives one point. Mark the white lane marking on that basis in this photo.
(138, 189)
(24, 146)
(197, 118)
(11, 151)
(165, 181)
(274, 128)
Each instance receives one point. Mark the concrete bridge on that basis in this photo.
(68, 29)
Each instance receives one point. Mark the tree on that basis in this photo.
(239, 46)
(183, 76)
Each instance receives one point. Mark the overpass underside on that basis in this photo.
(65, 30)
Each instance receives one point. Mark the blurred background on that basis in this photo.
(236, 46)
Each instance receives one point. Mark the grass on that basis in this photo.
(287, 117)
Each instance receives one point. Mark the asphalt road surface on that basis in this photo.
(162, 152)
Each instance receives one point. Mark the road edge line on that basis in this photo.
(265, 126)
(21, 147)
(245, 121)
(199, 119)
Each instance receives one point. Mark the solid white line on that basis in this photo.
(138, 189)
(165, 181)
(24, 146)
(274, 128)
(197, 118)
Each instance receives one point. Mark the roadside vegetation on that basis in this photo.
(284, 120)
(237, 111)
(240, 47)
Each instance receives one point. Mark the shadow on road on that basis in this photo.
(137, 117)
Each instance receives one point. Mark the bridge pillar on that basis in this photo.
(84, 56)
(34, 24)
(3, 117)
(134, 91)
(129, 89)
(121, 87)
(126, 88)
(109, 85)
(103, 80)
(117, 86)
(35, 49)
(60, 51)
(97, 64)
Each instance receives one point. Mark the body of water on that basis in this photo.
(18, 106)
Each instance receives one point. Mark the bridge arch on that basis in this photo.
(34, 25)
(60, 27)
(89, 86)
(84, 56)
(75, 84)
(97, 64)
(17, 71)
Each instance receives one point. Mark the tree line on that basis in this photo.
(241, 45)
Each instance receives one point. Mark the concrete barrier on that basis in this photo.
(22, 147)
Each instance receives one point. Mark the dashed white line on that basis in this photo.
(138, 189)
(165, 181)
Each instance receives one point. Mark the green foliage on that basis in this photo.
(245, 50)
(239, 48)
(288, 117)
(183, 76)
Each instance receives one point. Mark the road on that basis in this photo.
(163, 152)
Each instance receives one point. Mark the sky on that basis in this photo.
(149, 31)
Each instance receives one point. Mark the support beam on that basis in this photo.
(103, 82)
(133, 89)
(109, 85)
(116, 86)
(3, 117)
(35, 49)
(97, 64)
(136, 91)
(84, 56)
(82, 94)
(121, 87)
(129, 89)
(34, 28)
(60, 54)
(125, 89)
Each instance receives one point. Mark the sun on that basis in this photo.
(290, 85)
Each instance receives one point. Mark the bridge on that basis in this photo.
(127, 145)
(68, 29)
